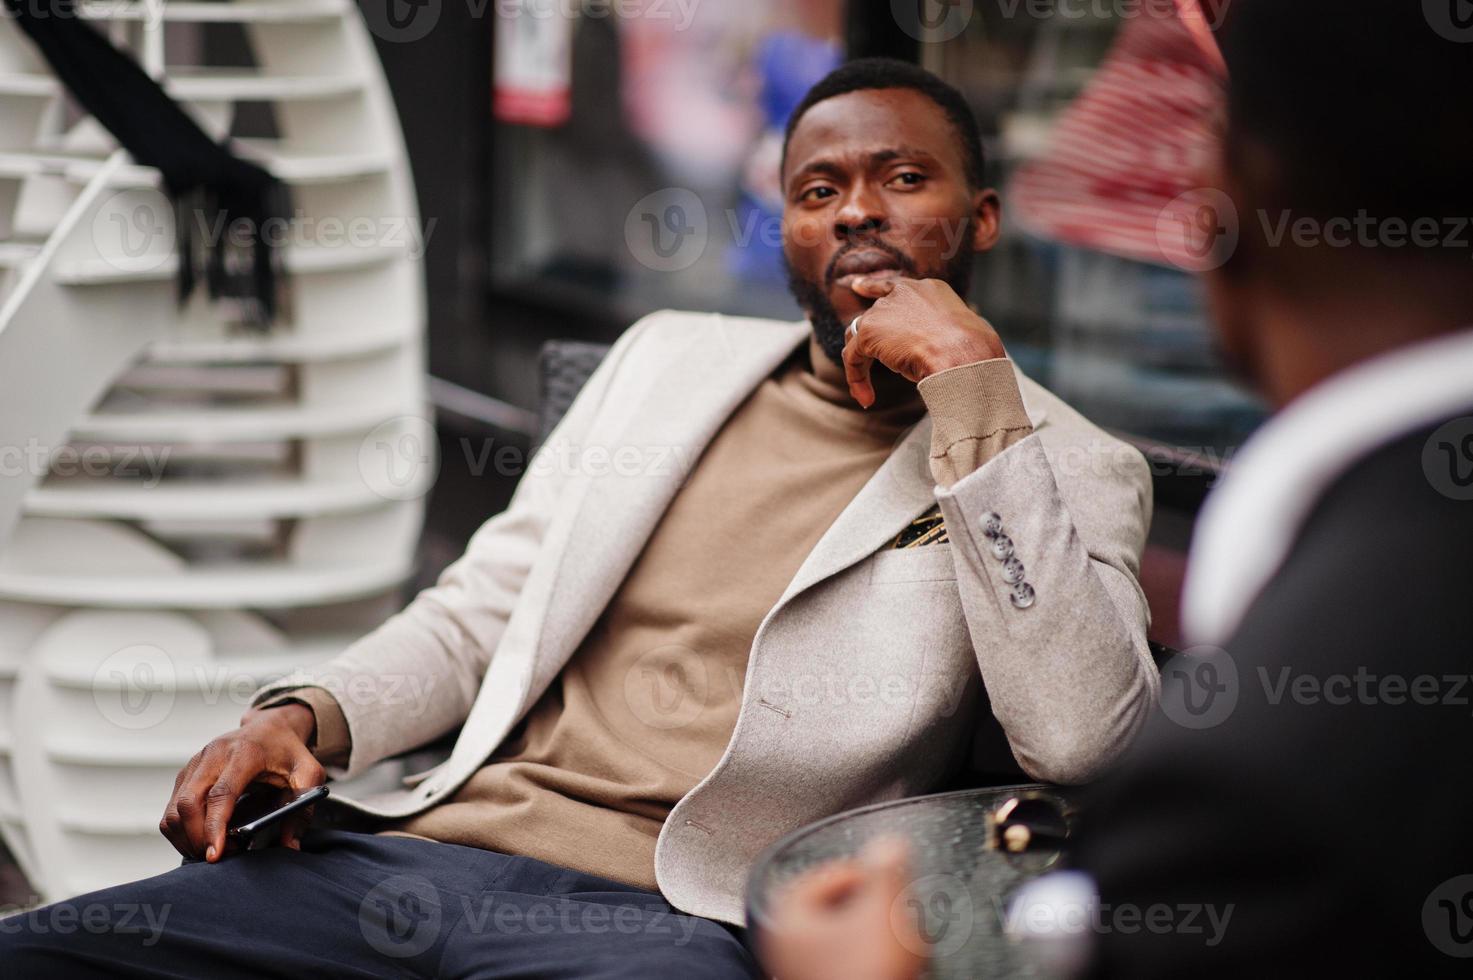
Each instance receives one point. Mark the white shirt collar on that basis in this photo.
(1248, 525)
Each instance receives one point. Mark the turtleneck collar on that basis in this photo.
(892, 391)
(899, 400)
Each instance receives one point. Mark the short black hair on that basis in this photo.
(876, 73)
(1362, 105)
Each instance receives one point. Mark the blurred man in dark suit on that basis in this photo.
(1313, 774)
(1307, 773)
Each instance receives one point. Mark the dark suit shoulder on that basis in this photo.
(1347, 714)
(1380, 571)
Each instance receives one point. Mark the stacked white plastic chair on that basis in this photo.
(187, 507)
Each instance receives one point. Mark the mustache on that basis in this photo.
(903, 261)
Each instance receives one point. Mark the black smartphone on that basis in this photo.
(254, 825)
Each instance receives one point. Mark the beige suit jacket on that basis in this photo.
(862, 681)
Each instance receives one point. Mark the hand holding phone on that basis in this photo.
(270, 748)
(249, 826)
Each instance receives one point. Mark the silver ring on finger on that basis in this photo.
(853, 330)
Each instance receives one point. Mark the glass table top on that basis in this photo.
(962, 874)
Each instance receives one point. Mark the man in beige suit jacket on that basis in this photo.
(884, 517)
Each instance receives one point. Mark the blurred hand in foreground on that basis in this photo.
(846, 921)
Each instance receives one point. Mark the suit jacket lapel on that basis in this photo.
(686, 405)
(900, 491)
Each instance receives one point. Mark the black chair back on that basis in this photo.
(563, 368)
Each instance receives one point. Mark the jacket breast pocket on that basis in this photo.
(930, 563)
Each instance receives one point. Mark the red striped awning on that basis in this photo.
(1123, 170)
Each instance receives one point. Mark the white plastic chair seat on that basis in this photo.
(242, 11)
(298, 166)
(13, 255)
(113, 566)
(20, 624)
(299, 260)
(75, 167)
(151, 649)
(80, 794)
(289, 164)
(290, 348)
(71, 750)
(241, 424)
(194, 83)
(36, 85)
(267, 585)
(114, 703)
(262, 498)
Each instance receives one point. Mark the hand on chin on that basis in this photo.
(850, 304)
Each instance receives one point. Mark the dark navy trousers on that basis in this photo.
(360, 905)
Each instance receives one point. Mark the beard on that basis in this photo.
(813, 297)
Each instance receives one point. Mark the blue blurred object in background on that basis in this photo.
(789, 63)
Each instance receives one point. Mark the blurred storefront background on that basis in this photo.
(590, 161)
(658, 187)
